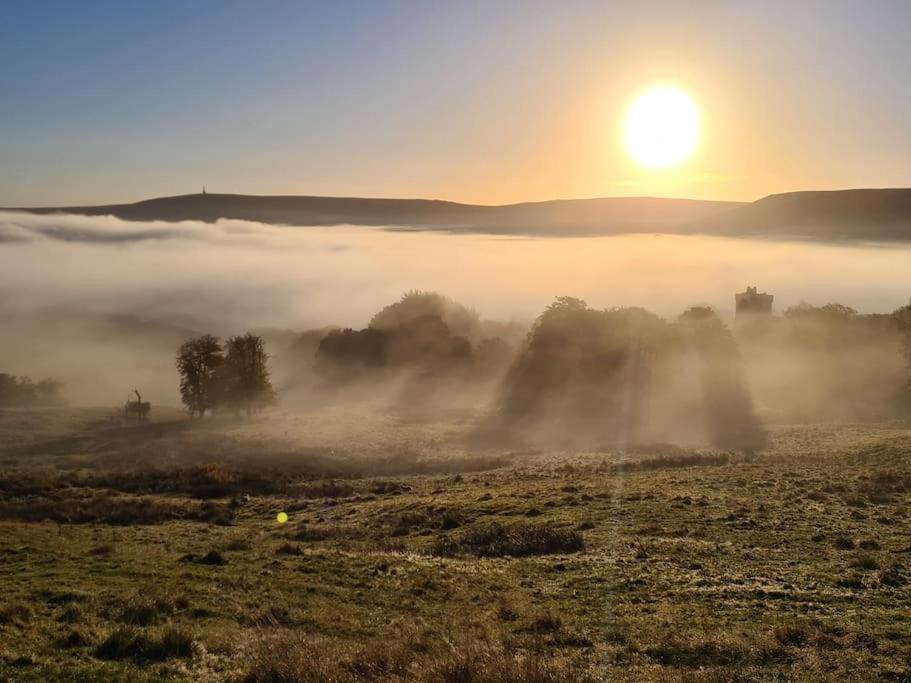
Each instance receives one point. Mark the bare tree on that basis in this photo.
(198, 361)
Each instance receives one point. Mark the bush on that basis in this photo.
(516, 540)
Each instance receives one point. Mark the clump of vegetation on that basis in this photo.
(15, 612)
(302, 659)
(514, 540)
(213, 557)
(326, 532)
(865, 562)
(289, 549)
(145, 611)
(844, 543)
(129, 642)
(77, 637)
(600, 372)
(234, 377)
(325, 489)
(105, 508)
(669, 462)
(21, 392)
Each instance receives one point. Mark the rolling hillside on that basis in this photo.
(866, 214)
(876, 215)
(578, 216)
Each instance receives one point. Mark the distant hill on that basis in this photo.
(878, 215)
(565, 217)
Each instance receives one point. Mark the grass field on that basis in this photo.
(153, 552)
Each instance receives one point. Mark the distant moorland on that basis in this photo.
(863, 214)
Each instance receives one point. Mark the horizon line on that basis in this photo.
(449, 201)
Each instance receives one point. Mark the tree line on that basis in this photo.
(22, 392)
(233, 376)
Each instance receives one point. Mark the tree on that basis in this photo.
(48, 393)
(244, 377)
(902, 318)
(413, 305)
(21, 392)
(198, 361)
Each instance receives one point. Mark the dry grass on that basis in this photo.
(514, 540)
(301, 659)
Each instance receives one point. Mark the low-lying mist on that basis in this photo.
(101, 304)
(234, 274)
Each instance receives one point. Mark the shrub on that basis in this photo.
(516, 540)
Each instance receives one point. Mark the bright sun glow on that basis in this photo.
(662, 127)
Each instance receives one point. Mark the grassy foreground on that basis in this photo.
(154, 553)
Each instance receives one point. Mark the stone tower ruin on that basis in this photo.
(753, 302)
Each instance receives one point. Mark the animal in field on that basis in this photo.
(136, 408)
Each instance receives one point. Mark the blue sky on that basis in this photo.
(476, 101)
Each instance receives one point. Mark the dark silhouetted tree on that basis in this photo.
(244, 376)
(198, 361)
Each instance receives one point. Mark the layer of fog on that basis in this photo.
(58, 271)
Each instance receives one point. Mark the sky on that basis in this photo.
(489, 102)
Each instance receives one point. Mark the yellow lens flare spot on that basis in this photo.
(662, 127)
(281, 517)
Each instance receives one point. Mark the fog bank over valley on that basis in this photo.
(101, 303)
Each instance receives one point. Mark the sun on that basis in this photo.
(662, 127)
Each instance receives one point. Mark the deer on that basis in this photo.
(136, 408)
